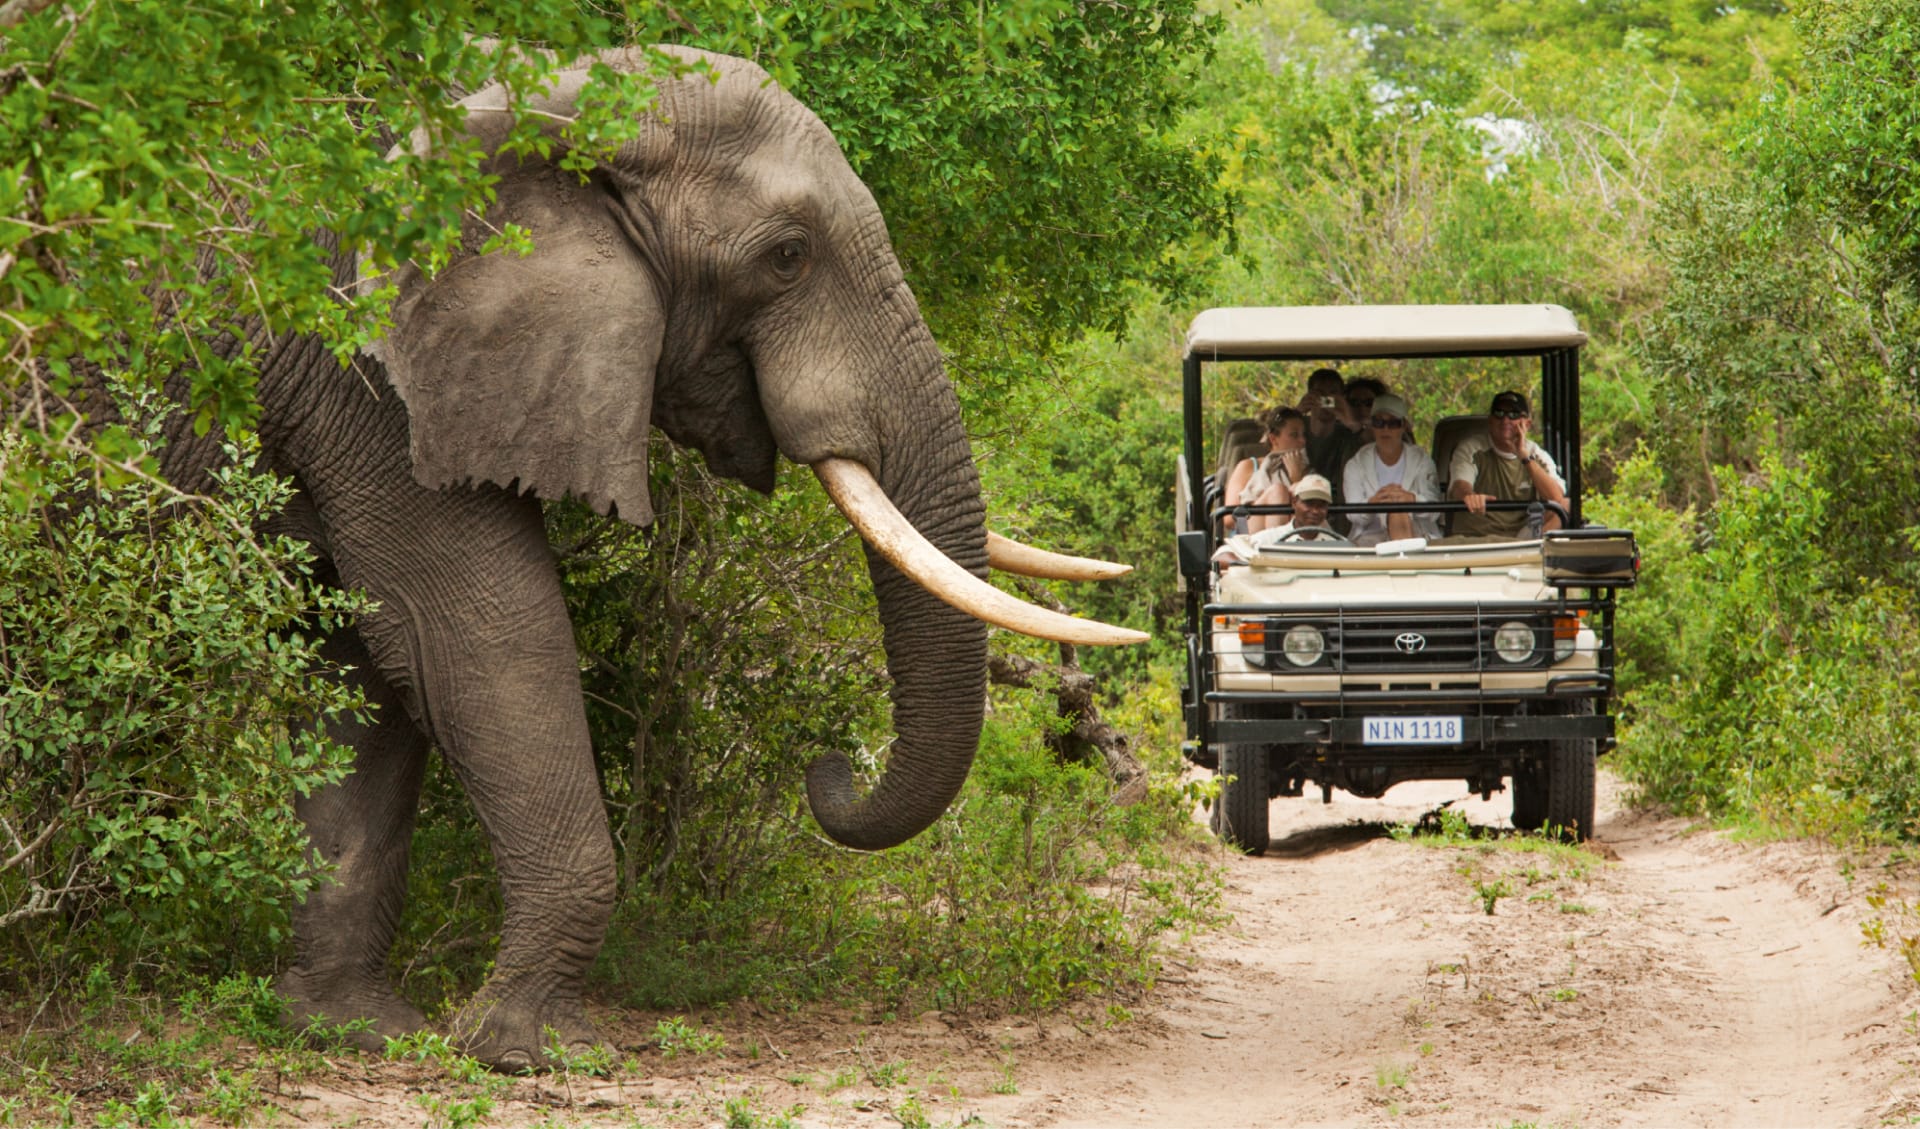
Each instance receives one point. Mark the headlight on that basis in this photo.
(1513, 641)
(1304, 645)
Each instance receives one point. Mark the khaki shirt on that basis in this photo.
(1479, 465)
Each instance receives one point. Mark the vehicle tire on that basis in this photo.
(1240, 814)
(1571, 768)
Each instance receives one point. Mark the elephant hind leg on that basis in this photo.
(363, 826)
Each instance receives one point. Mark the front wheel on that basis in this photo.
(1240, 813)
(1572, 765)
(1557, 790)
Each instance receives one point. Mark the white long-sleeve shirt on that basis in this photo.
(1363, 477)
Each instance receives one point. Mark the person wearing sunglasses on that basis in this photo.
(1332, 428)
(1390, 469)
(1361, 392)
(1503, 465)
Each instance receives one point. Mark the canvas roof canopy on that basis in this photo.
(1350, 332)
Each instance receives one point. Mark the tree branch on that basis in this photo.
(1088, 737)
(13, 11)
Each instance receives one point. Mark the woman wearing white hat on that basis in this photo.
(1390, 469)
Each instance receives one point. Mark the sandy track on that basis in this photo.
(1684, 981)
(1687, 982)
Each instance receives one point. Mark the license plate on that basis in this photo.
(1411, 731)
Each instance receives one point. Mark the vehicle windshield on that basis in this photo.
(1339, 457)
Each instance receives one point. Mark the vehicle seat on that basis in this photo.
(1244, 438)
(1447, 435)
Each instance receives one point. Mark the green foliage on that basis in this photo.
(1033, 890)
(1648, 647)
(1771, 657)
(676, 1037)
(1434, 49)
(162, 704)
(1023, 155)
(1739, 325)
(1840, 149)
(152, 1108)
(1895, 924)
(1783, 678)
(725, 652)
(1490, 893)
(216, 1054)
(1106, 447)
(135, 135)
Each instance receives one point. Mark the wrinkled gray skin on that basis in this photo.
(728, 279)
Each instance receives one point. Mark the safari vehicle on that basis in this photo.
(1323, 663)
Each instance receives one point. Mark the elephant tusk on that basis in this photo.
(859, 496)
(1024, 560)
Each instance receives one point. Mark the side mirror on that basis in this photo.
(1193, 553)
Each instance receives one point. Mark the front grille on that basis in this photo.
(1390, 643)
(1395, 643)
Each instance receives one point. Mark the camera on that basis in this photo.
(1326, 401)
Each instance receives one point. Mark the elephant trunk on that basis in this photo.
(936, 654)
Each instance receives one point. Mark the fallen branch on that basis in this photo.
(1088, 739)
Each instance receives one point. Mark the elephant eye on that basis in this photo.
(789, 258)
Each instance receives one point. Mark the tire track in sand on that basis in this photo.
(1689, 981)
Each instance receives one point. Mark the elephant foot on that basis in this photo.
(316, 1006)
(516, 1033)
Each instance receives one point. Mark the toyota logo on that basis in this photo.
(1409, 642)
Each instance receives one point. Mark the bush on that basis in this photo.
(1770, 683)
(160, 709)
(1647, 644)
(214, 1054)
(1033, 890)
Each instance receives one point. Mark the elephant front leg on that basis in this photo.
(363, 827)
(520, 746)
(472, 628)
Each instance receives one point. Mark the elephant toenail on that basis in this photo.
(514, 1062)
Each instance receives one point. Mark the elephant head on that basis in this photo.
(727, 277)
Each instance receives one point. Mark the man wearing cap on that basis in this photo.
(1390, 469)
(1503, 466)
(1311, 497)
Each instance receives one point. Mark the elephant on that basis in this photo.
(726, 277)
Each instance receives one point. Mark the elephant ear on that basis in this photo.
(533, 372)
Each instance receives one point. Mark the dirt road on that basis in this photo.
(1680, 980)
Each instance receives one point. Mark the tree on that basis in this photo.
(1840, 149)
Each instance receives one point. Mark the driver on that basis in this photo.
(1311, 497)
